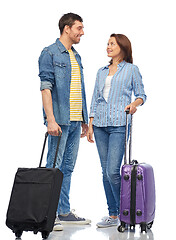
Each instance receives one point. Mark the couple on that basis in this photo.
(65, 110)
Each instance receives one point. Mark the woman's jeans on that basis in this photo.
(110, 143)
(66, 159)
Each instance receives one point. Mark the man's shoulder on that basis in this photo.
(52, 48)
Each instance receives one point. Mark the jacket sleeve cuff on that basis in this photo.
(91, 115)
(45, 85)
(144, 97)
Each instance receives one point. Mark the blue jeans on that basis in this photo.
(66, 159)
(110, 143)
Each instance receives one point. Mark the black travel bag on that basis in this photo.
(34, 198)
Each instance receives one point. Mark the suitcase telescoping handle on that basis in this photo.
(126, 137)
(57, 148)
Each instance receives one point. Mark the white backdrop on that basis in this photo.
(29, 26)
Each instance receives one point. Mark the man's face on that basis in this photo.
(75, 32)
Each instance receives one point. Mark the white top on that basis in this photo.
(107, 87)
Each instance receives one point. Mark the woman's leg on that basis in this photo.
(102, 143)
(115, 155)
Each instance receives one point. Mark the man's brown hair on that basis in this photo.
(69, 20)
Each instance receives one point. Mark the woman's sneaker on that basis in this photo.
(72, 218)
(108, 222)
(57, 225)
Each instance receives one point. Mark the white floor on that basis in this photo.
(91, 232)
(159, 231)
(71, 232)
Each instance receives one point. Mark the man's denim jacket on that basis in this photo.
(55, 74)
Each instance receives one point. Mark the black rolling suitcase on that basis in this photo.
(34, 198)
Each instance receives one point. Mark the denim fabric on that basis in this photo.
(126, 80)
(55, 74)
(66, 159)
(110, 143)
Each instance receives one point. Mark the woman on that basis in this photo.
(111, 98)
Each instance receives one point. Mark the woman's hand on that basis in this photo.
(132, 108)
(90, 133)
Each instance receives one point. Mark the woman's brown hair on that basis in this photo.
(125, 46)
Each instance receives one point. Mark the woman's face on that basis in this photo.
(113, 49)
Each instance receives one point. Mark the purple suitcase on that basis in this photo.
(137, 200)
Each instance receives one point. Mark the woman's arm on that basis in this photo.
(93, 106)
(139, 92)
(90, 131)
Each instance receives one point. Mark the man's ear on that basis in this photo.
(66, 29)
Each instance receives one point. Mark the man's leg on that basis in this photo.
(68, 164)
(52, 144)
(67, 167)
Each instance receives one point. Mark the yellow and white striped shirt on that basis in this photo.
(75, 90)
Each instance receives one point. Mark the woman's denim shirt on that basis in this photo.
(126, 80)
(55, 74)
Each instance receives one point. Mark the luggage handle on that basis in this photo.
(43, 149)
(126, 138)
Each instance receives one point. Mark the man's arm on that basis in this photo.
(53, 128)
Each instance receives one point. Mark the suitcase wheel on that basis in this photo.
(132, 227)
(122, 228)
(18, 234)
(149, 225)
(143, 227)
(45, 234)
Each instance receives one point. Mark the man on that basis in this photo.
(64, 107)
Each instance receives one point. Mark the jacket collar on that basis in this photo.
(62, 47)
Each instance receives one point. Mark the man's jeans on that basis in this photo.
(66, 159)
(110, 143)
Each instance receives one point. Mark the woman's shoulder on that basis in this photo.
(131, 66)
(103, 68)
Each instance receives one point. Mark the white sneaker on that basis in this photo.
(57, 225)
(108, 222)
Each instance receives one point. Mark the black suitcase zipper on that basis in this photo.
(133, 195)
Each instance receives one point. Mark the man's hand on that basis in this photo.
(53, 128)
(84, 130)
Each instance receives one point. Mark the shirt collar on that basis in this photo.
(120, 65)
(62, 47)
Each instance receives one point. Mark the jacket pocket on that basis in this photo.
(60, 69)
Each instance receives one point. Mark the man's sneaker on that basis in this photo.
(72, 218)
(57, 225)
(108, 222)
